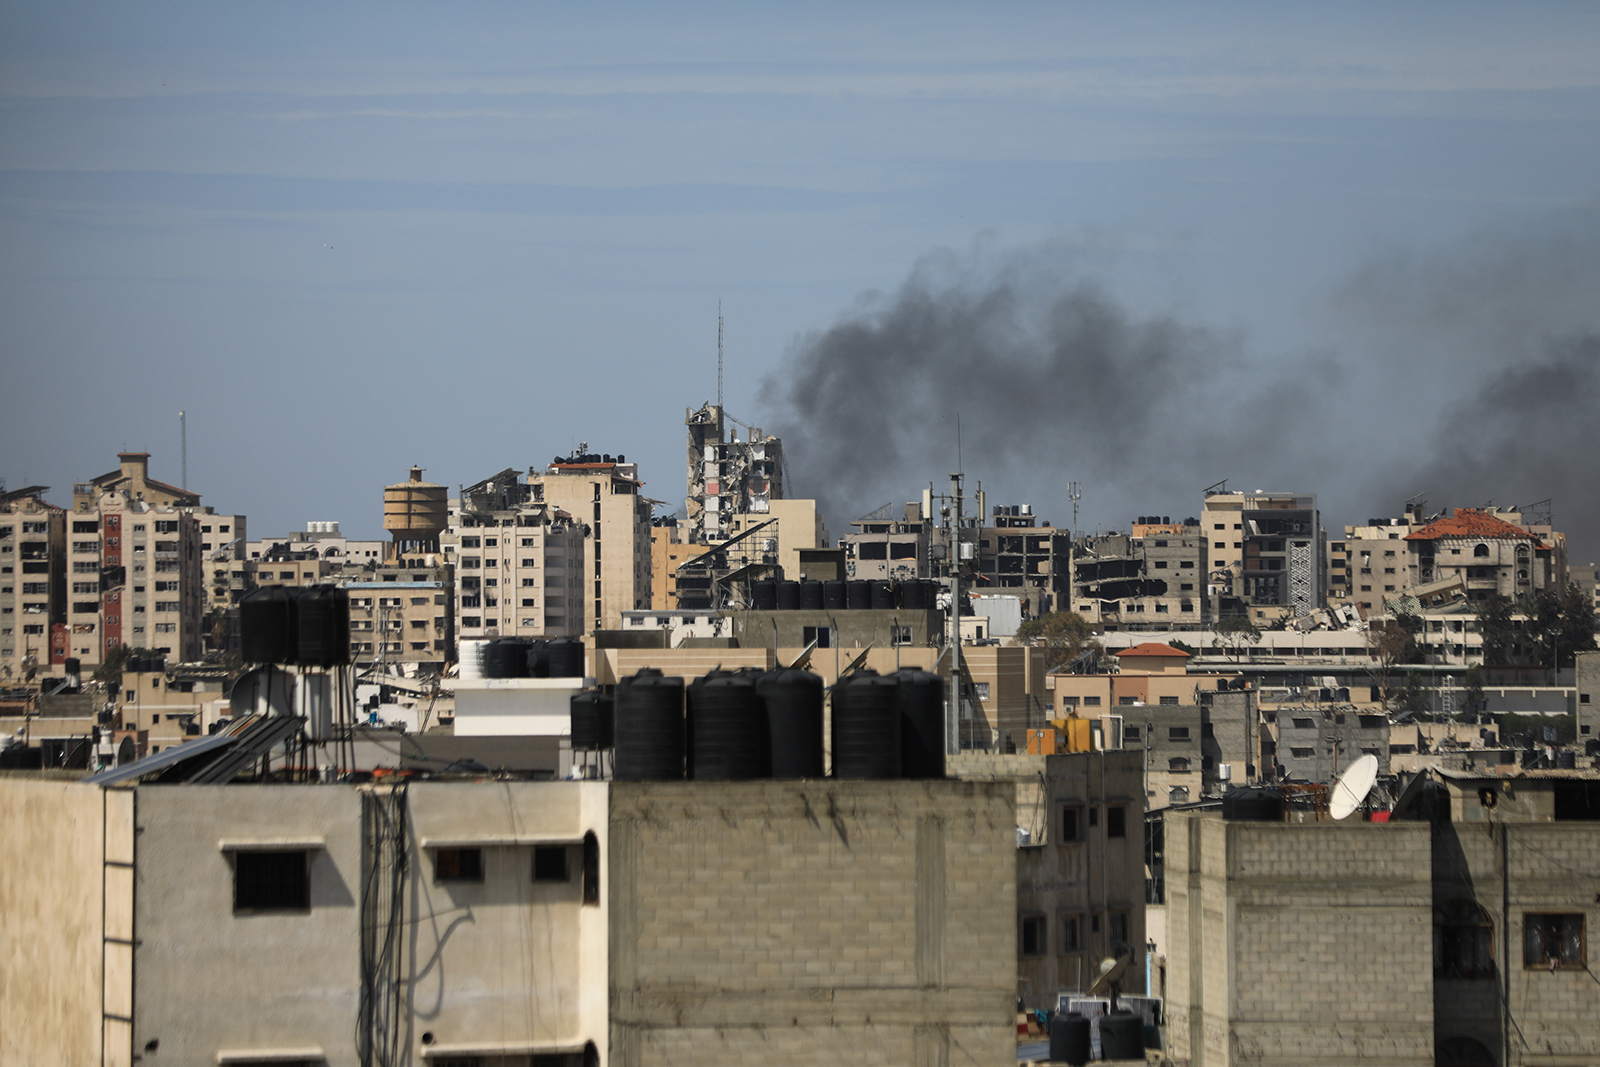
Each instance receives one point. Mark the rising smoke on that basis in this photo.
(1472, 378)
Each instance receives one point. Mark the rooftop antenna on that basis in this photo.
(719, 359)
(183, 448)
(1352, 787)
(1075, 494)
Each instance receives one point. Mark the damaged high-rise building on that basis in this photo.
(728, 476)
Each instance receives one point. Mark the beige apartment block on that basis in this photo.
(1151, 579)
(796, 525)
(1264, 554)
(518, 561)
(35, 631)
(668, 552)
(401, 616)
(603, 494)
(1493, 556)
(1147, 673)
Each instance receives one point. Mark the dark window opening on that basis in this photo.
(1069, 933)
(1116, 822)
(1463, 941)
(1069, 825)
(591, 868)
(458, 865)
(1032, 939)
(550, 864)
(271, 881)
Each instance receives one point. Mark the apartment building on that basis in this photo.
(518, 561)
(1020, 553)
(888, 547)
(1264, 554)
(1151, 578)
(668, 552)
(401, 616)
(603, 494)
(726, 476)
(1494, 557)
(35, 632)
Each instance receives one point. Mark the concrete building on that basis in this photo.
(1460, 939)
(1586, 668)
(1147, 673)
(457, 921)
(34, 629)
(1264, 554)
(518, 560)
(1021, 553)
(1493, 556)
(668, 551)
(727, 477)
(603, 494)
(1195, 750)
(884, 546)
(1149, 579)
(1080, 865)
(401, 617)
(1316, 743)
(322, 540)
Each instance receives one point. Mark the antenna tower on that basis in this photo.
(183, 448)
(1075, 494)
(719, 357)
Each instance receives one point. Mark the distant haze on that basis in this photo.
(1469, 375)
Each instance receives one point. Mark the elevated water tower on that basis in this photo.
(415, 513)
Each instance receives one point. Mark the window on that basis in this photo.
(1177, 733)
(1305, 724)
(1552, 941)
(591, 868)
(550, 864)
(822, 635)
(1069, 933)
(1031, 939)
(1178, 764)
(1481, 552)
(1178, 794)
(1130, 733)
(1069, 825)
(458, 865)
(271, 881)
(1091, 702)
(1301, 753)
(1069, 702)
(1119, 931)
(1116, 822)
(1169, 700)
(1126, 701)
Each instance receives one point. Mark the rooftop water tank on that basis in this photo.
(791, 703)
(866, 726)
(649, 727)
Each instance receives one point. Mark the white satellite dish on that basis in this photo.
(1110, 980)
(1353, 786)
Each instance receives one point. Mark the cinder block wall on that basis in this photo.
(1299, 943)
(812, 922)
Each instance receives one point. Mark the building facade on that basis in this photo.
(35, 631)
(1264, 554)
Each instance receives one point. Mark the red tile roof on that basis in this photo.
(1469, 523)
(1151, 648)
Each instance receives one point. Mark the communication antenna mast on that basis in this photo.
(719, 357)
(1075, 494)
(183, 448)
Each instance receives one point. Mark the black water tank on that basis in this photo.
(592, 713)
(267, 625)
(566, 658)
(1069, 1039)
(1255, 804)
(916, 595)
(71, 665)
(858, 596)
(506, 657)
(323, 630)
(764, 596)
(726, 728)
(649, 727)
(791, 703)
(1122, 1036)
(882, 595)
(1566, 759)
(539, 659)
(921, 723)
(789, 596)
(810, 595)
(866, 726)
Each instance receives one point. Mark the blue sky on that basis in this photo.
(470, 236)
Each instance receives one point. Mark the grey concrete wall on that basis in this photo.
(210, 981)
(1587, 695)
(51, 964)
(1299, 943)
(806, 923)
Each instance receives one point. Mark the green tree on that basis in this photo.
(1234, 632)
(1390, 642)
(1562, 624)
(1472, 692)
(1499, 631)
(110, 670)
(1414, 696)
(1064, 635)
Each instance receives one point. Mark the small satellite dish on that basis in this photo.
(1353, 786)
(1110, 981)
(1409, 795)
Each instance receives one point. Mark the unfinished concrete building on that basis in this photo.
(1021, 553)
(1148, 579)
(886, 546)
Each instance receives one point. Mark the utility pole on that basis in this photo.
(183, 448)
(952, 715)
